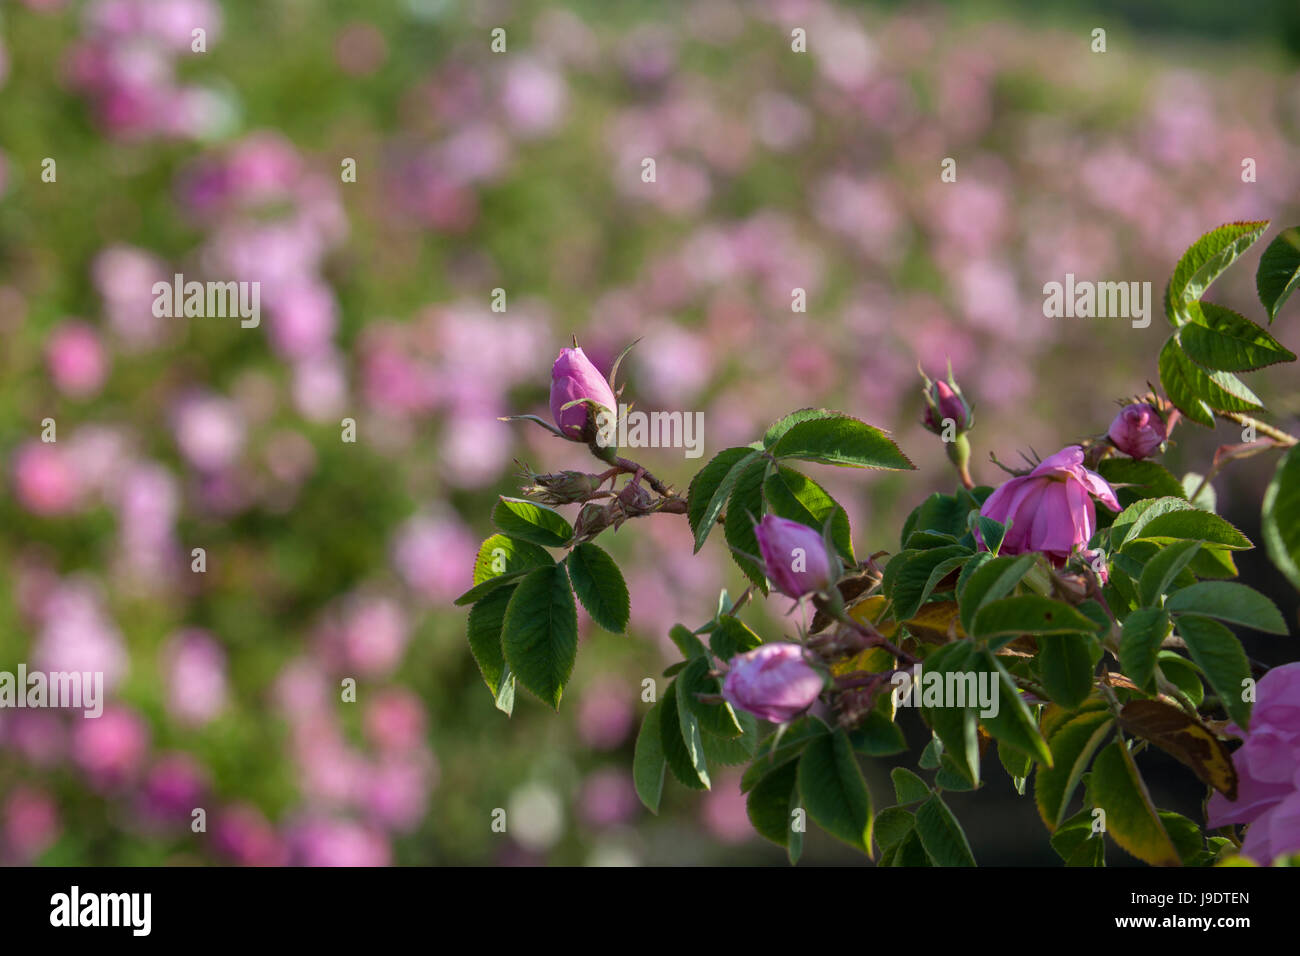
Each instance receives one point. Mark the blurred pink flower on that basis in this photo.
(607, 798)
(723, 811)
(302, 320)
(44, 481)
(243, 835)
(605, 714)
(396, 790)
(110, 749)
(328, 842)
(209, 431)
(31, 823)
(434, 554)
(173, 788)
(195, 671)
(77, 635)
(534, 96)
(394, 720)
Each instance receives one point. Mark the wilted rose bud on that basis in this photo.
(794, 556)
(592, 520)
(1138, 430)
(944, 401)
(773, 681)
(574, 378)
(562, 487)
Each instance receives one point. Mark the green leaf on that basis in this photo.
(893, 824)
(1198, 394)
(1206, 260)
(781, 747)
(842, 441)
(648, 761)
(744, 508)
(908, 787)
(911, 852)
(1220, 656)
(1280, 517)
(954, 726)
(486, 619)
(1161, 571)
(1028, 614)
(941, 835)
(1228, 601)
(768, 804)
(540, 633)
(599, 586)
(944, 514)
(921, 574)
(834, 792)
(1065, 664)
(796, 497)
(532, 522)
(1139, 644)
(1013, 724)
(1183, 674)
(1072, 744)
(877, 736)
(990, 532)
(1220, 339)
(681, 742)
(710, 487)
(687, 643)
(1131, 818)
(1128, 524)
(499, 555)
(779, 428)
(731, 751)
(479, 591)
(994, 579)
(718, 719)
(1134, 480)
(1193, 525)
(1279, 271)
(731, 637)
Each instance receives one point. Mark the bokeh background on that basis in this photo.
(521, 171)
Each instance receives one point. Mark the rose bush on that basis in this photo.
(1083, 637)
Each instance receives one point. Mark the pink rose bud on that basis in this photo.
(1050, 509)
(574, 378)
(773, 681)
(1138, 430)
(794, 556)
(944, 401)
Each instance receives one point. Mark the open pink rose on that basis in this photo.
(1268, 771)
(1050, 509)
